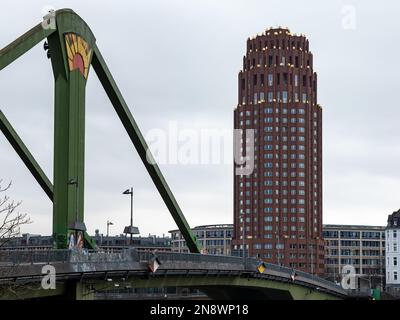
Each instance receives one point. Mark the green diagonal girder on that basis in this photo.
(122, 109)
(8, 55)
(23, 44)
(30, 162)
(25, 155)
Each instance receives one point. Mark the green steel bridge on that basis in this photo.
(72, 50)
(80, 274)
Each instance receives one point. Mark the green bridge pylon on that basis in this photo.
(72, 49)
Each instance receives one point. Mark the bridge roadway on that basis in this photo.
(80, 274)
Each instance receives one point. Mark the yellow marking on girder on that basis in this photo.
(75, 44)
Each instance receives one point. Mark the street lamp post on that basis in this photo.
(131, 193)
(131, 229)
(109, 223)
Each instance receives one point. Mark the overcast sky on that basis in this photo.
(177, 61)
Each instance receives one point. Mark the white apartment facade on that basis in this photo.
(392, 260)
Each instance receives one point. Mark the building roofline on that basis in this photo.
(208, 226)
(351, 226)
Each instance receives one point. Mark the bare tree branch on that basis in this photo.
(10, 227)
(10, 220)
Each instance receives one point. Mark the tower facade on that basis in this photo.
(278, 204)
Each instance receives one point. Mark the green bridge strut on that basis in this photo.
(140, 144)
(25, 155)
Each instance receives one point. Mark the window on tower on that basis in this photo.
(268, 110)
(270, 79)
(270, 60)
(268, 129)
(285, 78)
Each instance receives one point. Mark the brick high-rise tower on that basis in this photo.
(281, 200)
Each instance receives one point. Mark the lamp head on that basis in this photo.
(127, 191)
